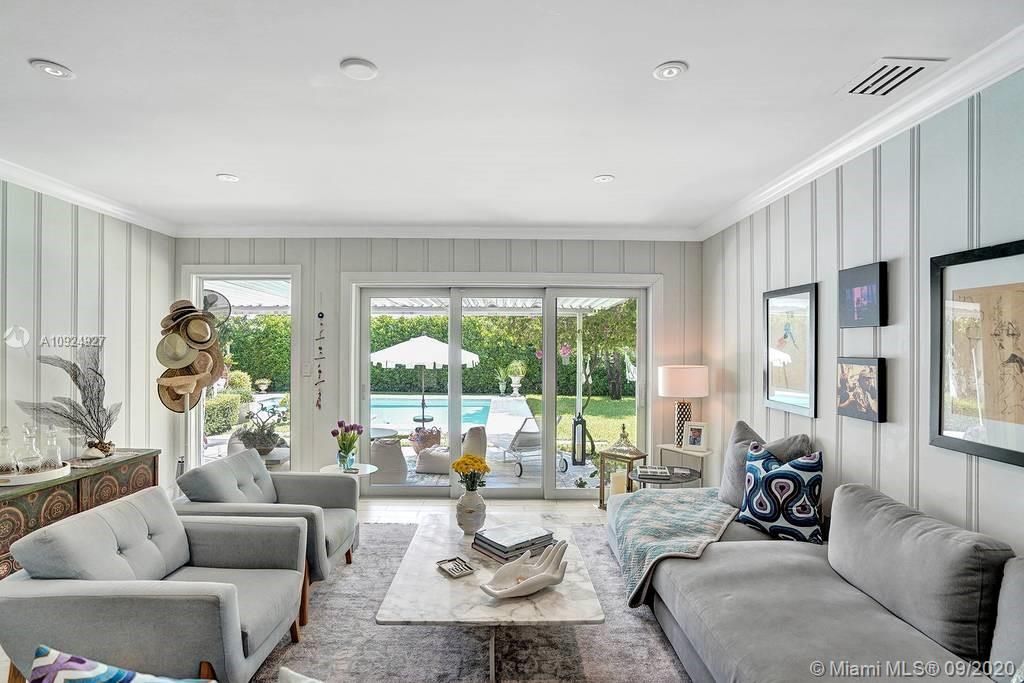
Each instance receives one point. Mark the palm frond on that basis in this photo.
(88, 415)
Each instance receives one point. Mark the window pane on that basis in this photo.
(249, 405)
(596, 377)
(501, 387)
(409, 391)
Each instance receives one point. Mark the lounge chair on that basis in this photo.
(529, 442)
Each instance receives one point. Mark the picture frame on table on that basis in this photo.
(977, 352)
(695, 437)
(861, 388)
(864, 296)
(790, 320)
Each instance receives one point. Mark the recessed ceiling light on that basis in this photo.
(52, 69)
(359, 69)
(670, 70)
(604, 178)
(227, 177)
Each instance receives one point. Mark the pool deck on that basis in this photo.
(504, 419)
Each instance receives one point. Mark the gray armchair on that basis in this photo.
(131, 584)
(240, 484)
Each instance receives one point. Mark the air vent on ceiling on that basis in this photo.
(890, 73)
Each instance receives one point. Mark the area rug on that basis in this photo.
(342, 642)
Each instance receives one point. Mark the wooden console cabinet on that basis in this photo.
(23, 509)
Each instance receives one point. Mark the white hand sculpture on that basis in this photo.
(521, 577)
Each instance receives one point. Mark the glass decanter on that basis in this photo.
(51, 452)
(30, 460)
(8, 463)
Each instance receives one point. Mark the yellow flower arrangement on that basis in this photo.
(471, 470)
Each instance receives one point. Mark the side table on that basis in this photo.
(365, 469)
(672, 448)
(677, 475)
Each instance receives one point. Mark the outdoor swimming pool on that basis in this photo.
(399, 411)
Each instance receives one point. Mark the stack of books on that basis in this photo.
(653, 472)
(506, 543)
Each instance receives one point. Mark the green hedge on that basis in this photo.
(239, 382)
(221, 413)
(497, 340)
(261, 346)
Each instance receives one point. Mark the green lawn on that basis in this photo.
(604, 417)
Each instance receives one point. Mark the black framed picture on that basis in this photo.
(790, 349)
(864, 296)
(860, 388)
(977, 354)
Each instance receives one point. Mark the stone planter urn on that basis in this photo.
(470, 512)
(516, 383)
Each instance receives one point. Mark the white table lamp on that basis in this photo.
(683, 382)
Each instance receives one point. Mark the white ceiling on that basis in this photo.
(487, 116)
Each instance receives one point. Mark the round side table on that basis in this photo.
(365, 470)
(679, 475)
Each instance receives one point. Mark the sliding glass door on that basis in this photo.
(502, 332)
(486, 371)
(598, 379)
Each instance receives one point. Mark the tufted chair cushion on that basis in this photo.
(238, 478)
(135, 537)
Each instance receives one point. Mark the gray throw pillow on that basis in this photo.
(734, 467)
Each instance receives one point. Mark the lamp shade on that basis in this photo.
(683, 381)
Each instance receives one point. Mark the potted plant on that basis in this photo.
(501, 374)
(471, 510)
(348, 439)
(261, 432)
(262, 384)
(564, 351)
(516, 371)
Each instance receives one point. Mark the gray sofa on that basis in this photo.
(131, 584)
(892, 585)
(241, 485)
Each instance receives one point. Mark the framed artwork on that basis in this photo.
(860, 388)
(790, 349)
(864, 296)
(693, 436)
(977, 353)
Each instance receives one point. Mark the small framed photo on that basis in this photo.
(694, 437)
(860, 388)
(864, 296)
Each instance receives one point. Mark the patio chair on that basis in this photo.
(529, 442)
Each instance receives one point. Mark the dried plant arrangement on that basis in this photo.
(88, 416)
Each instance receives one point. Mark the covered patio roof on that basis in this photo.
(527, 306)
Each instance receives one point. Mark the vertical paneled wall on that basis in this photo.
(66, 271)
(323, 261)
(952, 183)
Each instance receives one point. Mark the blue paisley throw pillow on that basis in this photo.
(783, 499)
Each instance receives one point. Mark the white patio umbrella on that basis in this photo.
(420, 352)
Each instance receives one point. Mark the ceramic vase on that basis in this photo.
(470, 512)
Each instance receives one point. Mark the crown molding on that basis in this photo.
(977, 72)
(40, 182)
(656, 233)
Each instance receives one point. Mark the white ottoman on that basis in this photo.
(387, 455)
(433, 460)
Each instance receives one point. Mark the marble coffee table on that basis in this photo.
(420, 594)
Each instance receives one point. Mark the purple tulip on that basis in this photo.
(335, 432)
(341, 423)
(359, 429)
